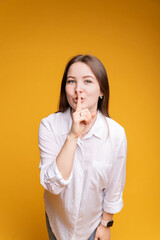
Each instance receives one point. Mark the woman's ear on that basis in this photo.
(101, 95)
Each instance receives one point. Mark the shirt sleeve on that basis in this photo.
(50, 176)
(113, 201)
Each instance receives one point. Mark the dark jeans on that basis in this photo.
(52, 237)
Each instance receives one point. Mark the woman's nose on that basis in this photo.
(79, 87)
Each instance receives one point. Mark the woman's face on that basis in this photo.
(81, 79)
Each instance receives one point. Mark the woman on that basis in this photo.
(83, 156)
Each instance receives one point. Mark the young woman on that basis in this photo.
(83, 156)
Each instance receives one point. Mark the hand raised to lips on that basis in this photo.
(81, 118)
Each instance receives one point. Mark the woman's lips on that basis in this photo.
(76, 99)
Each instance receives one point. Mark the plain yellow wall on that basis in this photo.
(37, 39)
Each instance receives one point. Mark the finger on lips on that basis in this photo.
(86, 112)
(78, 108)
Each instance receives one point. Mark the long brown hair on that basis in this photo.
(99, 71)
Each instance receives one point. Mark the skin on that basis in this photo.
(82, 82)
(82, 91)
(80, 79)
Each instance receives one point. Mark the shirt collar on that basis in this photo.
(99, 129)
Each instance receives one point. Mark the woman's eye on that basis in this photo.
(88, 81)
(71, 81)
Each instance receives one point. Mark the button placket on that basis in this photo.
(79, 173)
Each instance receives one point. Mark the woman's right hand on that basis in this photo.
(80, 119)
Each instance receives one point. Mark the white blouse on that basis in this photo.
(74, 207)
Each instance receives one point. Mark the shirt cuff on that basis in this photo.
(113, 207)
(55, 177)
(61, 179)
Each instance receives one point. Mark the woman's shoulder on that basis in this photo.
(114, 124)
(52, 117)
(116, 130)
(54, 121)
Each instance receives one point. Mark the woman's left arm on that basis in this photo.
(102, 232)
(113, 201)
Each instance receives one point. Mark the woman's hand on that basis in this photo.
(81, 118)
(103, 233)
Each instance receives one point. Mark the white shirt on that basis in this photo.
(74, 207)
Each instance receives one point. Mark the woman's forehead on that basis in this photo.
(80, 69)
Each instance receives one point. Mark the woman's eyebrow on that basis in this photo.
(70, 77)
(88, 77)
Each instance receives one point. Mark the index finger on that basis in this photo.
(78, 108)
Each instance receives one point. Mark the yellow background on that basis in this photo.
(37, 39)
